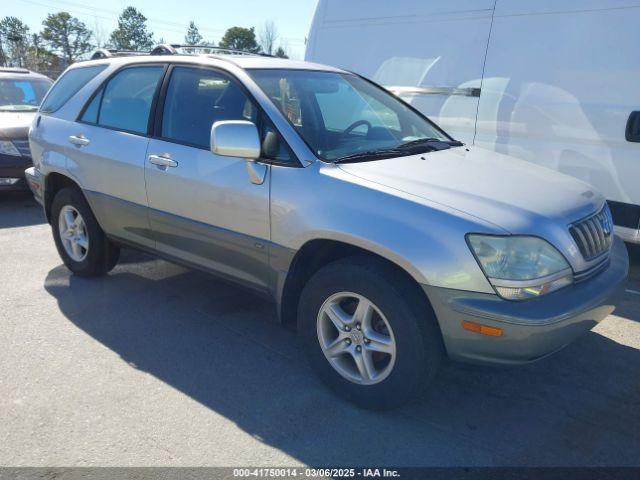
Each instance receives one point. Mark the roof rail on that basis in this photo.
(181, 49)
(13, 70)
(112, 52)
(174, 49)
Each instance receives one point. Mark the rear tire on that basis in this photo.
(81, 243)
(399, 335)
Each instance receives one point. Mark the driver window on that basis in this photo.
(197, 98)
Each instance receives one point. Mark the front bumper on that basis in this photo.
(532, 329)
(35, 180)
(13, 167)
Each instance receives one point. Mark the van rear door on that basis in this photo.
(428, 52)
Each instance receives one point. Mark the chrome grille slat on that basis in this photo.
(593, 235)
(581, 240)
(591, 248)
(601, 237)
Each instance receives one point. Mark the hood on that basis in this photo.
(512, 194)
(15, 125)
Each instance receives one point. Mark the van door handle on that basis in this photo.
(632, 133)
(79, 140)
(162, 161)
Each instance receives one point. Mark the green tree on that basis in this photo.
(280, 52)
(66, 36)
(41, 59)
(193, 36)
(14, 42)
(239, 38)
(131, 33)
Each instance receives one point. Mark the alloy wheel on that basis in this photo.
(73, 233)
(356, 338)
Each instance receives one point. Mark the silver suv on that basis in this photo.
(390, 244)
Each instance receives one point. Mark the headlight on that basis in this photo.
(8, 148)
(520, 267)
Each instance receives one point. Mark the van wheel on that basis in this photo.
(81, 243)
(367, 333)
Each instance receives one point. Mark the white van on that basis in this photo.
(555, 82)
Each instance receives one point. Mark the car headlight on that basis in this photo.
(520, 267)
(8, 148)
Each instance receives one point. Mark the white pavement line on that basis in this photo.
(635, 292)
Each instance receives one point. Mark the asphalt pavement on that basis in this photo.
(158, 365)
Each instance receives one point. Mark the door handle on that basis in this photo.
(162, 161)
(79, 140)
(632, 133)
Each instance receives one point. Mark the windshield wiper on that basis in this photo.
(379, 154)
(433, 143)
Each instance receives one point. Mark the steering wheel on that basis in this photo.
(355, 125)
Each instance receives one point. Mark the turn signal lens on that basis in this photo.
(482, 329)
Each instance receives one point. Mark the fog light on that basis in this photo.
(9, 181)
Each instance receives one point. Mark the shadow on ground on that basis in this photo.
(222, 347)
(19, 209)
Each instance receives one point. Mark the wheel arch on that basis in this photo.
(54, 182)
(317, 253)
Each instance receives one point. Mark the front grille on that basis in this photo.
(23, 147)
(594, 234)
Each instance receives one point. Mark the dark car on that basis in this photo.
(21, 92)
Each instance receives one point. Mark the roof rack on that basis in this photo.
(180, 49)
(175, 49)
(13, 70)
(112, 52)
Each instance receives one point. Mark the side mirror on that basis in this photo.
(235, 138)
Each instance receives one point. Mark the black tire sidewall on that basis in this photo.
(413, 367)
(99, 255)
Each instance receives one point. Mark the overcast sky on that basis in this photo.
(169, 19)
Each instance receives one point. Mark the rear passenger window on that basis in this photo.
(126, 101)
(90, 114)
(70, 82)
(196, 99)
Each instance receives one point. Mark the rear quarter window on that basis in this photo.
(68, 85)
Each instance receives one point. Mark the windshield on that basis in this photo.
(342, 116)
(18, 95)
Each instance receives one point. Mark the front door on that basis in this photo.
(204, 208)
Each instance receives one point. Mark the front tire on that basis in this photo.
(81, 243)
(368, 334)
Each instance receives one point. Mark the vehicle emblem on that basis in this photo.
(356, 336)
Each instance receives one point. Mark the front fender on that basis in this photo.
(426, 240)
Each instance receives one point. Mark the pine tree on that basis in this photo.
(131, 33)
(193, 36)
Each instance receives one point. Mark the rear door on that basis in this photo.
(107, 150)
(204, 208)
